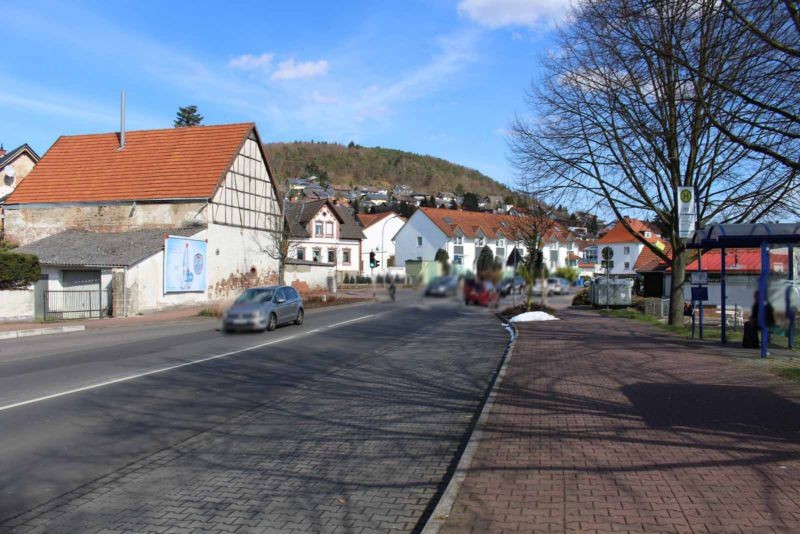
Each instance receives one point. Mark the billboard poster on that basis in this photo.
(184, 265)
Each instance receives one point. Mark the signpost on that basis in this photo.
(699, 281)
(687, 212)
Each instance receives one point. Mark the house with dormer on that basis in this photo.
(625, 247)
(325, 239)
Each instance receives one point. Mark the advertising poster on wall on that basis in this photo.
(184, 265)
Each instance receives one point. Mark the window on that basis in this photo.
(328, 229)
(627, 265)
(478, 241)
(626, 251)
(569, 245)
(501, 242)
(280, 295)
(318, 229)
(317, 255)
(554, 245)
(647, 234)
(301, 253)
(346, 256)
(501, 254)
(419, 240)
(331, 255)
(291, 293)
(458, 259)
(458, 240)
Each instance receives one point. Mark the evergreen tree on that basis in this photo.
(187, 116)
(470, 202)
(485, 259)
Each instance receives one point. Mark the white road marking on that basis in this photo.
(171, 367)
(351, 321)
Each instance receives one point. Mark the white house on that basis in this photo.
(324, 235)
(462, 234)
(379, 230)
(624, 246)
(97, 213)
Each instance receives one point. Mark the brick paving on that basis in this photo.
(607, 425)
(364, 448)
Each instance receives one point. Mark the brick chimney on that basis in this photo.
(2, 151)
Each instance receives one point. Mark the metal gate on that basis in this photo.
(81, 298)
(72, 304)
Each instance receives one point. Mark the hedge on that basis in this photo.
(18, 271)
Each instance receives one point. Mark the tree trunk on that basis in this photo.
(281, 272)
(676, 297)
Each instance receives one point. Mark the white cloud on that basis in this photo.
(252, 63)
(509, 13)
(292, 70)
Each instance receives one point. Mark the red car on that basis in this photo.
(482, 293)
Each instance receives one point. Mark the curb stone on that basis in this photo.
(441, 513)
(13, 334)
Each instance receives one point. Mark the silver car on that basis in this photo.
(264, 308)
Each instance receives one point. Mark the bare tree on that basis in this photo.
(281, 247)
(620, 121)
(530, 229)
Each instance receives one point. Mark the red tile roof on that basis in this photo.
(155, 164)
(648, 260)
(740, 260)
(368, 219)
(620, 234)
(470, 222)
(573, 257)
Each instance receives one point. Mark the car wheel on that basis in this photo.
(272, 323)
(300, 317)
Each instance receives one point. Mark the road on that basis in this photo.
(349, 422)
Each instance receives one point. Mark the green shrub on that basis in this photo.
(18, 271)
(570, 273)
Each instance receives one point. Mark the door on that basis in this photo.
(80, 298)
(281, 305)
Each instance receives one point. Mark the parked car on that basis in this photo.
(553, 288)
(562, 285)
(442, 286)
(480, 292)
(515, 284)
(264, 308)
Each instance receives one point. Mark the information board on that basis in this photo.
(687, 212)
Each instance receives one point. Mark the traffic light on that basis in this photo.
(372, 262)
(377, 264)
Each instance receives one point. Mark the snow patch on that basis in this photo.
(533, 316)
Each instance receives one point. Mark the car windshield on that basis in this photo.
(255, 296)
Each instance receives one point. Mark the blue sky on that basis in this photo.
(435, 77)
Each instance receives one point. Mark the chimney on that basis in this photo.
(2, 151)
(122, 121)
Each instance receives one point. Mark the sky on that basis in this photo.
(437, 77)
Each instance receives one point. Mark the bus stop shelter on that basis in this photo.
(761, 236)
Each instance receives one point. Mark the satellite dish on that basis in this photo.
(9, 171)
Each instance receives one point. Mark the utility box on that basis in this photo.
(615, 292)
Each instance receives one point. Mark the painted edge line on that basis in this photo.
(171, 367)
(441, 512)
(28, 332)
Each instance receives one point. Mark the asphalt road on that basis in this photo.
(349, 422)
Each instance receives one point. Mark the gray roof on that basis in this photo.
(348, 229)
(11, 154)
(298, 215)
(92, 249)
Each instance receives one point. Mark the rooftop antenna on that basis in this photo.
(122, 121)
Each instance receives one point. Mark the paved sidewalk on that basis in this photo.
(607, 425)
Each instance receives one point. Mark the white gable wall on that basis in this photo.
(406, 243)
(379, 240)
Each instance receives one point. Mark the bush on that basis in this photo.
(18, 271)
(582, 298)
(379, 279)
(347, 279)
(570, 273)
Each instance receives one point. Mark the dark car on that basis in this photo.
(480, 292)
(511, 285)
(264, 308)
(442, 286)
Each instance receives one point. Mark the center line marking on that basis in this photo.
(170, 367)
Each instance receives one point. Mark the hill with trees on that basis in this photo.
(354, 165)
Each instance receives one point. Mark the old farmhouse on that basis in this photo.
(151, 219)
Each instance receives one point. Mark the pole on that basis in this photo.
(789, 291)
(608, 284)
(372, 276)
(699, 256)
(723, 298)
(762, 297)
